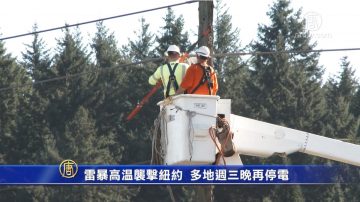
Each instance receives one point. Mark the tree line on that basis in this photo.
(83, 117)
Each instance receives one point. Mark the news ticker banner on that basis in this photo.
(69, 173)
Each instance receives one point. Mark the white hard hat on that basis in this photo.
(203, 51)
(173, 48)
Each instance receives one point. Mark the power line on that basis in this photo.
(70, 76)
(159, 59)
(285, 51)
(98, 20)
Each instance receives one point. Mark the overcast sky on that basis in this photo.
(332, 24)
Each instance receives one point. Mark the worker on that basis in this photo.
(171, 73)
(200, 78)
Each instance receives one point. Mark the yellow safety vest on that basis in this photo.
(163, 73)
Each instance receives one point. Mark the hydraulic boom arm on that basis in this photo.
(257, 138)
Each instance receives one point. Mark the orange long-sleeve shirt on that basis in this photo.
(193, 77)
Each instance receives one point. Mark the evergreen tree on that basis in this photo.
(72, 62)
(107, 103)
(34, 126)
(119, 88)
(76, 101)
(226, 40)
(352, 87)
(285, 88)
(341, 123)
(348, 82)
(33, 142)
(83, 143)
(15, 88)
(287, 85)
(13, 77)
(232, 71)
(86, 146)
(172, 33)
(104, 45)
(355, 103)
(136, 133)
(339, 93)
(134, 87)
(142, 47)
(37, 61)
(355, 110)
(114, 87)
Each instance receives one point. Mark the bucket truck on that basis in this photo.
(186, 120)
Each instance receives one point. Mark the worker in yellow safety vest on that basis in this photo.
(171, 73)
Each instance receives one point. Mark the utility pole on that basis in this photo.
(204, 193)
(205, 32)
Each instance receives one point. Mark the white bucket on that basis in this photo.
(188, 139)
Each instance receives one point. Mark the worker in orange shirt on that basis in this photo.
(200, 78)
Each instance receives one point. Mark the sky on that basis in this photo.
(332, 24)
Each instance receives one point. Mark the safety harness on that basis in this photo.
(172, 80)
(206, 77)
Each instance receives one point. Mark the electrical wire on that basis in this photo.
(283, 52)
(98, 20)
(69, 76)
(236, 54)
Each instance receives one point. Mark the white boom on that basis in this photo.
(186, 120)
(257, 138)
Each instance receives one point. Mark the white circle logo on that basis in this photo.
(313, 21)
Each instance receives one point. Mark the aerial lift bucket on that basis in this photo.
(187, 120)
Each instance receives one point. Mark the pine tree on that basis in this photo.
(226, 39)
(118, 91)
(83, 142)
(348, 82)
(355, 103)
(287, 85)
(76, 113)
(68, 94)
(341, 123)
(15, 88)
(355, 110)
(35, 127)
(172, 33)
(232, 71)
(136, 133)
(106, 105)
(36, 59)
(104, 45)
(72, 62)
(33, 141)
(86, 146)
(285, 88)
(142, 46)
(339, 93)
(134, 87)
(13, 77)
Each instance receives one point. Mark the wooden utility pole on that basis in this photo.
(206, 38)
(206, 35)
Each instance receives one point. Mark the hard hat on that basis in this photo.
(173, 48)
(203, 51)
